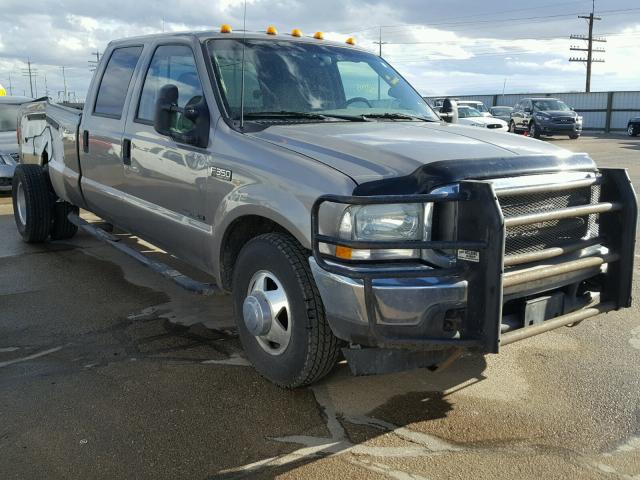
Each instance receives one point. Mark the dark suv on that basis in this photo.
(545, 116)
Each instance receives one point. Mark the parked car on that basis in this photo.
(633, 127)
(471, 116)
(9, 109)
(545, 116)
(343, 216)
(479, 106)
(503, 113)
(7, 168)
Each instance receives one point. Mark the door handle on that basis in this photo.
(126, 151)
(85, 141)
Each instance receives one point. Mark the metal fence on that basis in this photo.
(601, 111)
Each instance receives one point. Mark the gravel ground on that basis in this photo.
(108, 370)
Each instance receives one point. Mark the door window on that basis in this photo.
(115, 81)
(175, 65)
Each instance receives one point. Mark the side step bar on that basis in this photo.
(185, 282)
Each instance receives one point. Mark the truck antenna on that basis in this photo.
(244, 41)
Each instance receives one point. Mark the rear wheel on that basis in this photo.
(631, 131)
(574, 136)
(32, 203)
(279, 312)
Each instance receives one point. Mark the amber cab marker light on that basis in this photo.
(351, 41)
(296, 32)
(343, 252)
(318, 36)
(226, 28)
(271, 30)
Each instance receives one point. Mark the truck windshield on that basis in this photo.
(317, 81)
(8, 118)
(544, 105)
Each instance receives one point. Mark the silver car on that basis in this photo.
(9, 111)
(503, 113)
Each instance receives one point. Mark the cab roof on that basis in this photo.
(205, 35)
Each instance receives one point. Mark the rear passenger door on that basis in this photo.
(101, 131)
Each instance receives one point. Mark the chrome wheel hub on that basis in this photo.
(22, 204)
(267, 313)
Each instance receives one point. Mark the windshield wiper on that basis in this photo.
(396, 116)
(306, 115)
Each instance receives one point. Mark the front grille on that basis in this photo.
(494, 125)
(564, 120)
(549, 233)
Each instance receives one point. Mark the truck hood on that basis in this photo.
(371, 151)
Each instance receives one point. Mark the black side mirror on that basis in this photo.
(166, 106)
(196, 111)
(449, 111)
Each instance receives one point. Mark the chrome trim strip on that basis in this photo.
(149, 207)
(602, 207)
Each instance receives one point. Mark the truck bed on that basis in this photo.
(49, 137)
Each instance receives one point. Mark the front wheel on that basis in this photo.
(279, 312)
(574, 136)
(32, 203)
(534, 131)
(512, 126)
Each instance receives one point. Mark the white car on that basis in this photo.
(471, 116)
(479, 106)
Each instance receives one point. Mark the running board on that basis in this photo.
(185, 282)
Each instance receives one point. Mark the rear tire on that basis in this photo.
(631, 131)
(574, 136)
(309, 350)
(32, 203)
(62, 228)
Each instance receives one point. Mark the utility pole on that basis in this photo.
(64, 79)
(379, 43)
(590, 50)
(93, 64)
(10, 85)
(29, 72)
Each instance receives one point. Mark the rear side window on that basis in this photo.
(115, 81)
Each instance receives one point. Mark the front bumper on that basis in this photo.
(469, 304)
(550, 127)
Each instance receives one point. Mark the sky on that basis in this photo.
(443, 47)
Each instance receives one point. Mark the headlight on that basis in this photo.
(393, 222)
(578, 119)
(542, 116)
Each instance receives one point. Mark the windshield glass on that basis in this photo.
(285, 76)
(501, 111)
(465, 112)
(8, 118)
(544, 105)
(477, 106)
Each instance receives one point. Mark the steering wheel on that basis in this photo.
(357, 99)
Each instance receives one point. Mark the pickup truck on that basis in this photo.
(319, 189)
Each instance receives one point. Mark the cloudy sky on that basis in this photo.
(441, 46)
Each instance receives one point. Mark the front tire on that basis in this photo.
(534, 131)
(512, 127)
(279, 312)
(574, 136)
(32, 203)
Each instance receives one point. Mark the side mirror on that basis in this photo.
(170, 119)
(528, 110)
(166, 107)
(449, 111)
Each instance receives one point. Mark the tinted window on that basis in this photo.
(8, 118)
(115, 81)
(175, 65)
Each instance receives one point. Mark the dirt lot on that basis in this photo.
(110, 371)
